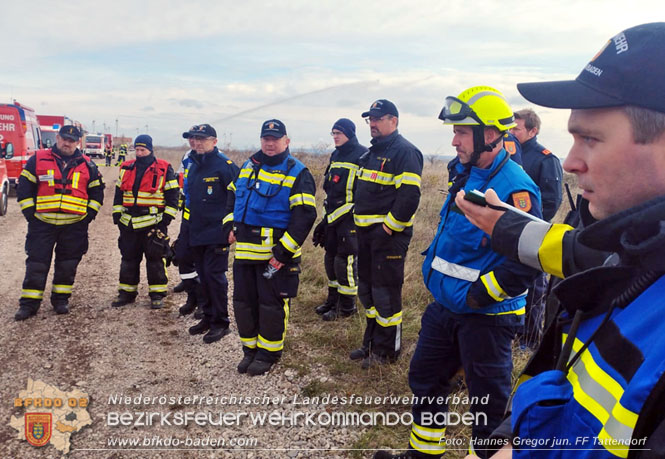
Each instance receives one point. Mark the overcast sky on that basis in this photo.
(162, 66)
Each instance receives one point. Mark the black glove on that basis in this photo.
(319, 235)
(116, 218)
(158, 244)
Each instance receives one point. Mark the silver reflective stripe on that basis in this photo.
(455, 270)
(530, 241)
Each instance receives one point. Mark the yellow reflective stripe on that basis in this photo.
(249, 342)
(94, 183)
(57, 218)
(368, 220)
(185, 214)
(51, 173)
(333, 283)
(340, 211)
(62, 288)
(27, 174)
(172, 211)
(289, 243)
(157, 288)
(344, 165)
(382, 178)
(171, 184)
(518, 312)
(550, 252)
(231, 187)
(301, 199)
(407, 178)
(228, 218)
(396, 225)
(25, 203)
(350, 278)
(128, 288)
(276, 345)
(270, 177)
(34, 294)
(254, 247)
(371, 313)
(344, 290)
(391, 321)
(428, 433)
(75, 179)
(426, 448)
(493, 288)
(94, 205)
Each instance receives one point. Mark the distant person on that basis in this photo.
(544, 168)
(337, 230)
(478, 294)
(145, 203)
(386, 199)
(273, 213)
(108, 155)
(60, 191)
(205, 228)
(122, 154)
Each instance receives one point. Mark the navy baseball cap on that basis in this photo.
(69, 132)
(273, 128)
(200, 130)
(628, 70)
(381, 107)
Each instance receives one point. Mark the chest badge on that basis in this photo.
(209, 189)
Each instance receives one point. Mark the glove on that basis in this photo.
(116, 218)
(319, 236)
(477, 296)
(158, 244)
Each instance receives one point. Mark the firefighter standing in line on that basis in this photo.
(207, 222)
(122, 154)
(60, 192)
(274, 211)
(145, 202)
(337, 231)
(108, 155)
(386, 199)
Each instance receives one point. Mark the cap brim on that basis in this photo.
(566, 94)
(276, 135)
(69, 136)
(185, 135)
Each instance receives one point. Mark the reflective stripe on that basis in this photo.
(94, 183)
(228, 218)
(341, 210)
(382, 178)
(56, 218)
(61, 288)
(34, 294)
(157, 288)
(25, 203)
(172, 211)
(185, 214)
(551, 250)
(529, 243)
(428, 433)
(171, 184)
(425, 447)
(455, 270)
(289, 243)
(278, 345)
(76, 176)
(264, 176)
(407, 178)
(518, 312)
(94, 205)
(231, 187)
(192, 275)
(344, 165)
(493, 288)
(391, 321)
(333, 284)
(128, 288)
(27, 174)
(368, 220)
(600, 395)
(396, 225)
(344, 290)
(118, 209)
(301, 199)
(371, 313)
(249, 342)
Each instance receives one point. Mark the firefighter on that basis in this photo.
(337, 231)
(108, 155)
(386, 199)
(479, 296)
(205, 228)
(274, 210)
(60, 191)
(122, 154)
(145, 202)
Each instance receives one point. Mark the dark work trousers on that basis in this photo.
(341, 260)
(132, 244)
(186, 260)
(261, 307)
(70, 243)
(380, 277)
(478, 343)
(212, 262)
(535, 311)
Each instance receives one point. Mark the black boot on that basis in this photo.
(179, 288)
(190, 305)
(331, 301)
(24, 312)
(122, 300)
(345, 308)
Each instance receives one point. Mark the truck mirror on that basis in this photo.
(9, 150)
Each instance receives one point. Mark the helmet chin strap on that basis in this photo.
(479, 139)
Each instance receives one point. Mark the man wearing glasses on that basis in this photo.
(337, 230)
(387, 196)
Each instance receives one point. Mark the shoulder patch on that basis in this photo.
(510, 147)
(522, 200)
(228, 161)
(546, 152)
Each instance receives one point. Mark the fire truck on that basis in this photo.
(93, 145)
(51, 124)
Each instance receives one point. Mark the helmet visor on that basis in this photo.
(459, 112)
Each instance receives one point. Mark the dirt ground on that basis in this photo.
(132, 351)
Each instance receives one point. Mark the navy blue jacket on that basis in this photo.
(544, 168)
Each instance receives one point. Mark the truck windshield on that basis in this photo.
(48, 136)
(93, 139)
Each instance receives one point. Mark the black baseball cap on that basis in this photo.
(628, 70)
(273, 128)
(70, 132)
(381, 107)
(200, 130)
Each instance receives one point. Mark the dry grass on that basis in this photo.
(319, 350)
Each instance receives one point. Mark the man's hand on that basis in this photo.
(483, 217)
(319, 235)
(387, 230)
(232, 237)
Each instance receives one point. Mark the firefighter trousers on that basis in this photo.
(481, 345)
(341, 261)
(184, 255)
(261, 307)
(70, 243)
(212, 262)
(132, 245)
(380, 277)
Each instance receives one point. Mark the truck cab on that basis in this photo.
(93, 145)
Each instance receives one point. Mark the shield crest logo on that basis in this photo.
(38, 428)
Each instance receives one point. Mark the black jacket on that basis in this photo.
(339, 181)
(544, 168)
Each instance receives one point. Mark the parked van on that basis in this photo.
(20, 134)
